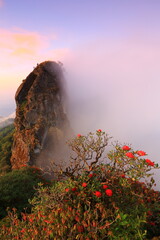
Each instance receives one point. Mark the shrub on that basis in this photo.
(97, 201)
(17, 187)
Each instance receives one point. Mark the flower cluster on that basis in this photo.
(139, 153)
(126, 148)
(149, 162)
(103, 202)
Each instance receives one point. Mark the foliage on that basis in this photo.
(98, 200)
(17, 187)
(6, 139)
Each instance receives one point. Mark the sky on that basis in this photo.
(111, 52)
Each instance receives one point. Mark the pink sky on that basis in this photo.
(20, 51)
(111, 52)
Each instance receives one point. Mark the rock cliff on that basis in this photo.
(40, 120)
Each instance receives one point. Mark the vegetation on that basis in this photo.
(6, 140)
(17, 187)
(93, 199)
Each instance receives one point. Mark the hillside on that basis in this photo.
(6, 140)
(16, 186)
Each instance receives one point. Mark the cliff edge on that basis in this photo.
(40, 120)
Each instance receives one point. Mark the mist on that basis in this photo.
(115, 87)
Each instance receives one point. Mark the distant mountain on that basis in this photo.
(5, 121)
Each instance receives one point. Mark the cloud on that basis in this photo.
(19, 46)
(1, 3)
(21, 42)
(20, 51)
(114, 85)
(22, 45)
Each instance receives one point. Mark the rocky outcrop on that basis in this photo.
(41, 121)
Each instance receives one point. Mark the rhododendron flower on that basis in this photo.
(123, 176)
(109, 192)
(141, 153)
(105, 186)
(129, 154)
(99, 130)
(30, 220)
(79, 135)
(98, 194)
(84, 184)
(126, 148)
(90, 175)
(149, 162)
(67, 189)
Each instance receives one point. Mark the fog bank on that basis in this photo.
(115, 87)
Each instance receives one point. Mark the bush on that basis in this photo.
(96, 201)
(17, 187)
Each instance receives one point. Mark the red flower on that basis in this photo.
(23, 230)
(105, 186)
(90, 175)
(67, 189)
(123, 176)
(141, 153)
(79, 135)
(74, 189)
(149, 162)
(99, 130)
(31, 220)
(84, 184)
(109, 192)
(129, 154)
(126, 148)
(98, 194)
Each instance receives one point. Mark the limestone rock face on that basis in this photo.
(40, 118)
